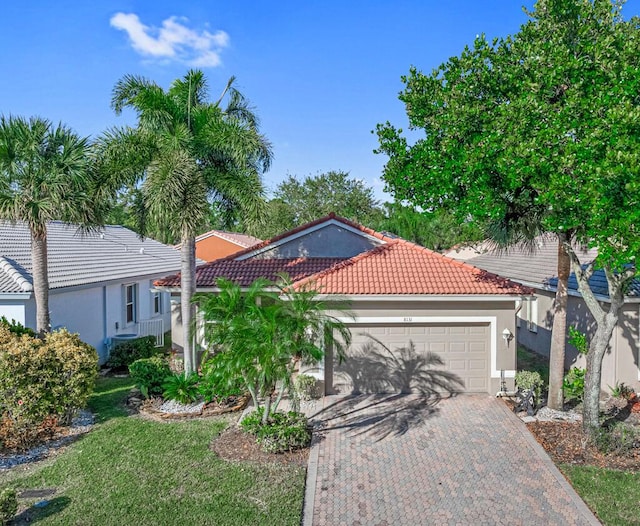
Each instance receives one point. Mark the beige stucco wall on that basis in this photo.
(620, 364)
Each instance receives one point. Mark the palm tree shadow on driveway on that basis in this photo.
(392, 392)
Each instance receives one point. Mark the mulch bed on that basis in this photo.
(566, 444)
(235, 445)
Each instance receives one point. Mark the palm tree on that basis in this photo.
(188, 153)
(263, 331)
(44, 175)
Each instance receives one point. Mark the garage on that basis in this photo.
(388, 358)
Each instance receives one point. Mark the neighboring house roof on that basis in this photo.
(242, 240)
(466, 251)
(76, 258)
(536, 264)
(391, 266)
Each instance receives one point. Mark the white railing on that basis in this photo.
(152, 328)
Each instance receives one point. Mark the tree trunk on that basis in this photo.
(559, 331)
(593, 376)
(187, 309)
(40, 281)
(606, 322)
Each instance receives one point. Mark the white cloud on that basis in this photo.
(173, 41)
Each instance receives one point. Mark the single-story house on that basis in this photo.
(404, 297)
(217, 244)
(535, 266)
(100, 284)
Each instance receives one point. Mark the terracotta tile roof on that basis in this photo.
(247, 271)
(242, 240)
(401, 267)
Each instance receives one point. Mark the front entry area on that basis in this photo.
(395, 357)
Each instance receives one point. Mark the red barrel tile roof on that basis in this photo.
(400, 267)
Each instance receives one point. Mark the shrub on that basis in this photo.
(618, 439)
(621, 390)
(149, 374)
(305, 387)
(16, 327)
(182, 388)
(124, 354)
(573, 384)
(42, 378)
(8, 505)
(530, 380)
(283, 431)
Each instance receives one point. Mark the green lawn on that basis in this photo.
(614, 496)
(133, 471)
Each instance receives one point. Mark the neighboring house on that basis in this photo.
(535, 266)
(101, 284)
(399, 293)
(218, 244)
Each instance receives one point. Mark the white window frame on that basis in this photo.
(531, 313)
(134, 304)
(157, 303)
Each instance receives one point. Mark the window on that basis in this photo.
(130, 303)
(531, 314)
(156, 302)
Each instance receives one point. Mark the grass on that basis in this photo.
(614, 496)
(133, 471)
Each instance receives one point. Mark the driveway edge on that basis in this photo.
(555, 471)
(311, 479)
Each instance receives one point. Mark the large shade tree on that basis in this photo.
(184, 154)
(300, 200)
(45, 175)
(537, 132)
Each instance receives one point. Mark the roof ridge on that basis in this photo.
(300, 228)
(24, 284)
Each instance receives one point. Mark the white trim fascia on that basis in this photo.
(491, 320)
(15, 295)
(422, 297)
(309, 230)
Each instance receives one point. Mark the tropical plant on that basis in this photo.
(573, 384)
(517, 138)
(263, 332)
(187, 152)
(45, 174)
(181, 387)
(305, 387)
(281, 432)
(530, 380)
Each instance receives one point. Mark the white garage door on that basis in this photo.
(395, 358)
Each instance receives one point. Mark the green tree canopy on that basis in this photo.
(298, 201)
(538, 131)
(45, 175)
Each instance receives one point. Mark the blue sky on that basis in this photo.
(321, 74)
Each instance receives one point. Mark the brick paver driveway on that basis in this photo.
(392, 460)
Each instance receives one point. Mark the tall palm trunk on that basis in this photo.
(187, 290)
(559, 331)
(40, 281)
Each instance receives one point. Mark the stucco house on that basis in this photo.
(405, 300)
(217, 244)
(101, 284)
(535, 266)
